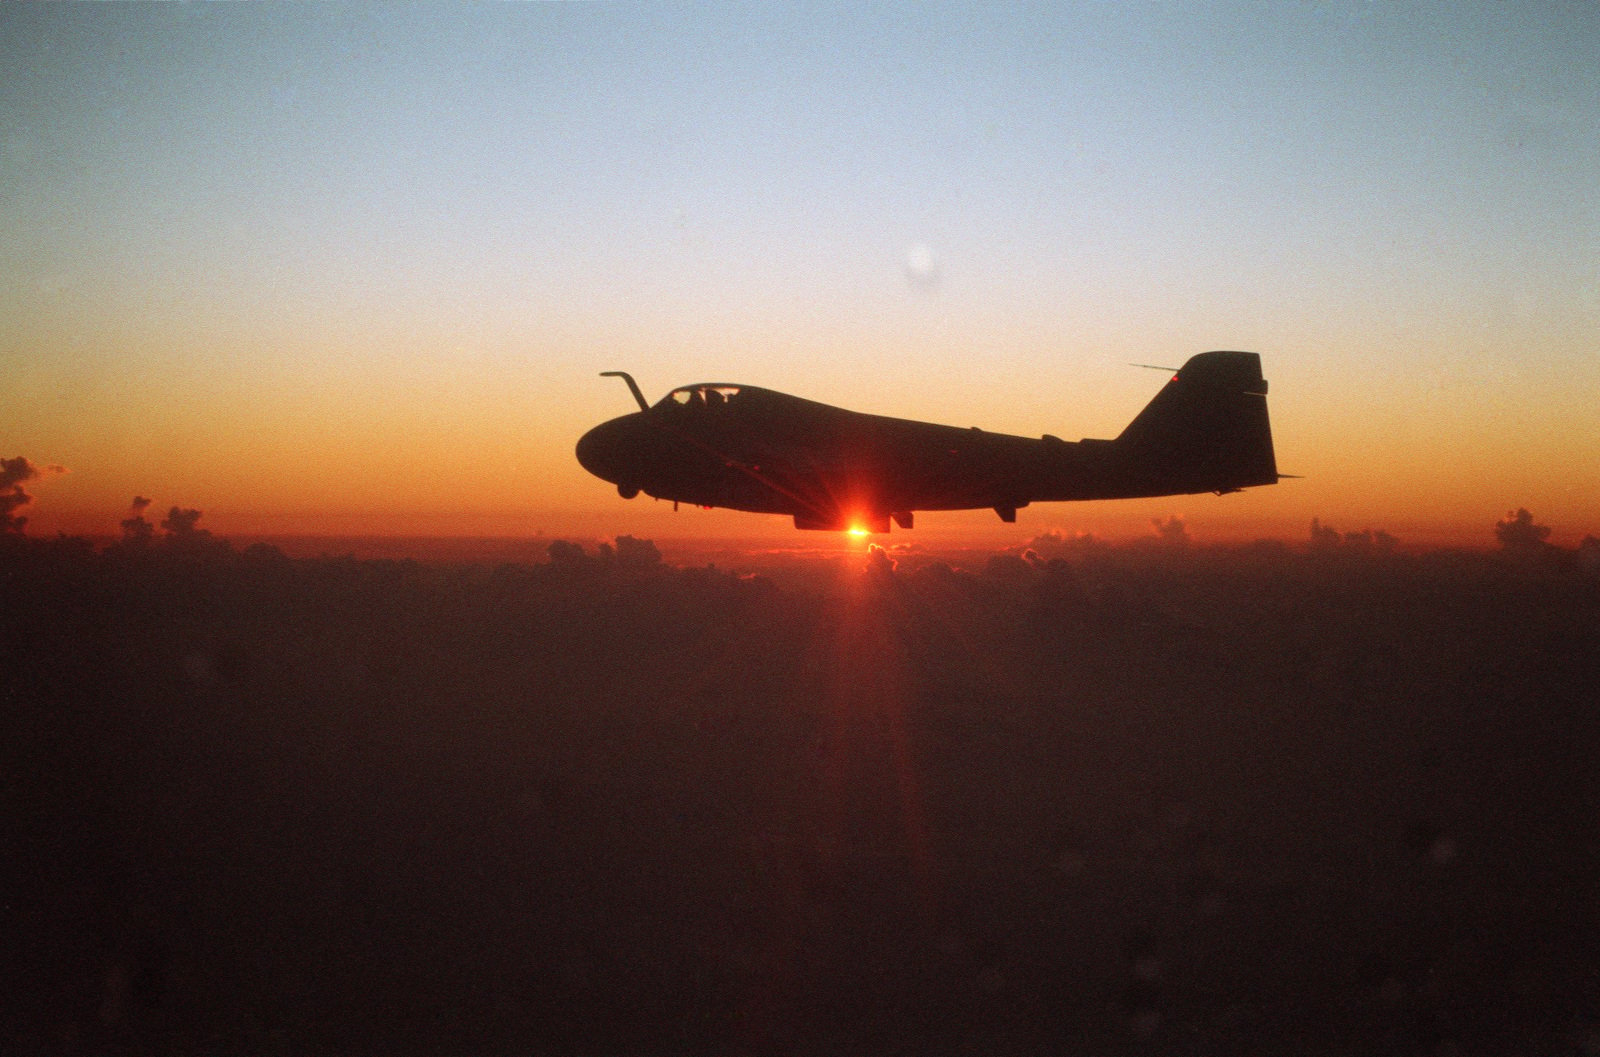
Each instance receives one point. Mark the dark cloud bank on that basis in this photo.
(1079, 799)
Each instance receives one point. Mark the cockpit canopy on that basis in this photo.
(704, 395)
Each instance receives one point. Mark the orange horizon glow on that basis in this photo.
(378, 475)
(495, 458)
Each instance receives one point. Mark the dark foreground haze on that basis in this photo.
(1124, 801)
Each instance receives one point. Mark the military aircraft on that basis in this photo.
(718, 444)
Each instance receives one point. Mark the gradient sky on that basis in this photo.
(355, 269)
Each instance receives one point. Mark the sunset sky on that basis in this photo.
(355, 270)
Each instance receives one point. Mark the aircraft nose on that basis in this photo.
(603, 450)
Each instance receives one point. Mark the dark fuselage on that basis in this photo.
(757, 450)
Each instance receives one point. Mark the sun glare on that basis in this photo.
(858, 530)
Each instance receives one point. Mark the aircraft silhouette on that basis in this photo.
(717, 444)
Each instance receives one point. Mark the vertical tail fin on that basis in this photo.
(1207, 430)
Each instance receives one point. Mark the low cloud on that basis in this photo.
(1325, 538)
(634, 555)
(181, 523)
(1518, 533)
(135, 529)
(1173, 532)
(626, 554)
(1589, 555)
(14, 473)
(1058, 544)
